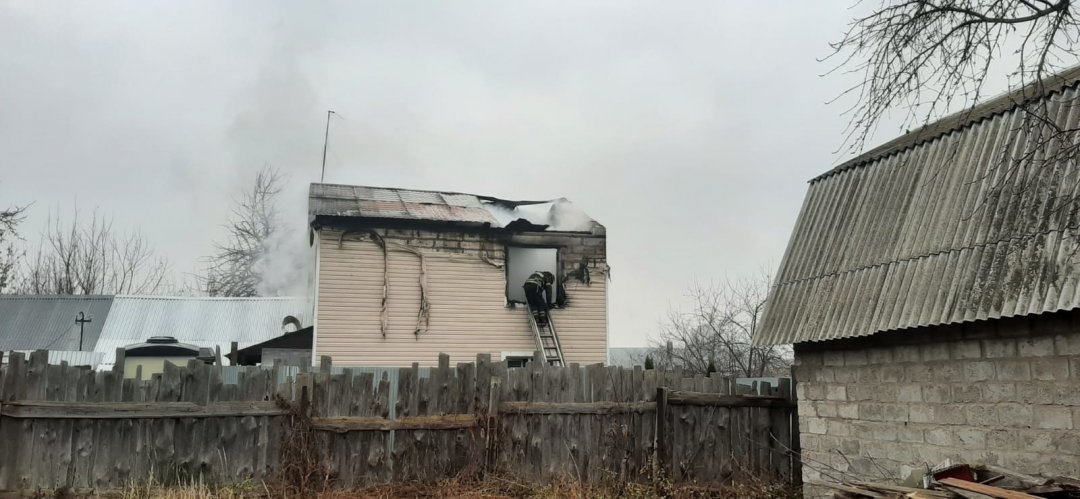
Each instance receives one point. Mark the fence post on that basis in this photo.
(118, 362)
(661, 458)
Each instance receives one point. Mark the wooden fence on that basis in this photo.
(67, 426)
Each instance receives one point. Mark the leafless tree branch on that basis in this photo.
(234, 269)
(10, 219)
(83, 257)
(715, 331)
(927, 57)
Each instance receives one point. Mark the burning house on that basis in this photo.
(402, 275)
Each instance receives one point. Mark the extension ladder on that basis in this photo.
(547, 340)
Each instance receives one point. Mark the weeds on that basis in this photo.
(303, 472)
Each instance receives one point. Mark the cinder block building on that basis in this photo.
(930, 291)
(403, 275)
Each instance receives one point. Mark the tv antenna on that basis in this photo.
(326, 140)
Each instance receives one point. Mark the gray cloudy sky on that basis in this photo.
(688, 128)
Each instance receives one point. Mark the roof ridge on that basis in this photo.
(1000, 104)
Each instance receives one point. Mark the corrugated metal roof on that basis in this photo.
(931, 234)
(31, 322)
(381, 203)
(204, 322)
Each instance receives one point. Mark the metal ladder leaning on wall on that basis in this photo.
(547, 340)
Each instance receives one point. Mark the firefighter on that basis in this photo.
(537, 291)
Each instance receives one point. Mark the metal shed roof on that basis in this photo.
(32, 322)
(204, 322)
(920, 232)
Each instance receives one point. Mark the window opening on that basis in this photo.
(521, 262)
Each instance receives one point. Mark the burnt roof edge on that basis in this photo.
(963, 119)
(490, 199)
(319, 222)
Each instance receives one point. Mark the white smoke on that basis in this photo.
(558, 215)
(286, 267)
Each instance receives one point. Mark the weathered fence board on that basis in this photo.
(76, 427)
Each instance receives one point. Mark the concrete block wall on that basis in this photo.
(573, 248)
(1004, 392)
(447, 241)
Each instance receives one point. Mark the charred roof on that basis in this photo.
(333, 204)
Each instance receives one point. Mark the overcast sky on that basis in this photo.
(689, 129)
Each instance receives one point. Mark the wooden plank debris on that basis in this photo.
(860, 492)
(989, 490)
(885, 487)
(1028, 480)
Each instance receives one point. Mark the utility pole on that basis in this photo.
(81, 320)
(326, 139)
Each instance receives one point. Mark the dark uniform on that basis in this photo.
(537, 291)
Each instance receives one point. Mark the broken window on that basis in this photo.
(521, 262)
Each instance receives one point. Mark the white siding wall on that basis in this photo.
(468, 309)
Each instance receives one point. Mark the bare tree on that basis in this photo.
(931, 56)
(9, 254)
(235, 269)
(82, 257)
(923, 58)
(714, 332)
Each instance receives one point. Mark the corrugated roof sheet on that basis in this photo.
(926, 234)
(204, 322)
(384, 203)
(380, 203)
(31, 322)
(983, 110)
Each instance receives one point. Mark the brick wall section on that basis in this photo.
(1003, 392)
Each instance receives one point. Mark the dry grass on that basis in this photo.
(491, 488)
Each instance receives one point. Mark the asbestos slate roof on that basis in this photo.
(203, 322)
(929, 230)
(32, 322)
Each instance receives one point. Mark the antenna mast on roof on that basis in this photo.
(326, 139)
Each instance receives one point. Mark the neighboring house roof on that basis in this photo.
(296, 340)
(32, 322)
(920, 232)
(344, 202)
(204, 322)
